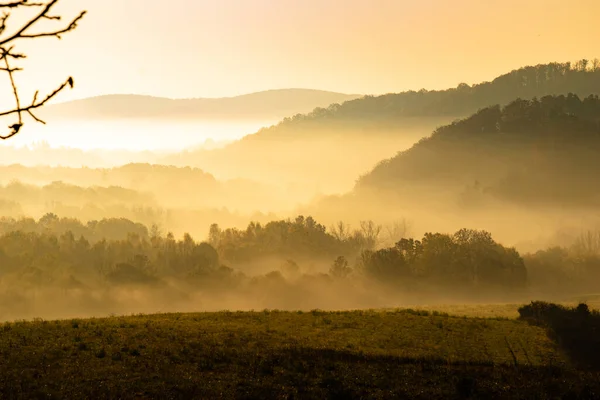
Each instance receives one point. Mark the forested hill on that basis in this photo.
(332, 146)
(581, 78)
(546, 149)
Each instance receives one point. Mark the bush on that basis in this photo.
(575, 329)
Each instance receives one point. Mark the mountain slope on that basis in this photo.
(330, 147)
(268, 104)
(545, 150)
(526, 172)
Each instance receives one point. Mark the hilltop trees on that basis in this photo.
(581, 78)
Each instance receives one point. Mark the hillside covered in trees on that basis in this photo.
(581, 78)
(305, 148)
(541, 150)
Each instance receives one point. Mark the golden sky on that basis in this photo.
(213, 48)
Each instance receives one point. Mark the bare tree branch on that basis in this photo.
(7, 54)
(21, 3)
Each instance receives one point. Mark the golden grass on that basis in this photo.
(241, 354)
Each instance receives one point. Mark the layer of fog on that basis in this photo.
(253, 176)
(307, 291)
(266, 284)
(301, 170)
(180, 205)
(134, 135)
(526, 227)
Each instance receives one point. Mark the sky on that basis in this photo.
(217, 48)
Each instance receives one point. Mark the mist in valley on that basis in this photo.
(231, 188)
(293, 199)
(308, 217)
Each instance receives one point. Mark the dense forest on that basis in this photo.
(542, 150)
(468, 258)
(119, 251)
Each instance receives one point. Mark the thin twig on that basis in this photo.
(14, 87)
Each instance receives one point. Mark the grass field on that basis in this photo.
(274, 354)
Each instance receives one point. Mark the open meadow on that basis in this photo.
(284, 354)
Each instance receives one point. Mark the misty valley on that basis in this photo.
(297, 243)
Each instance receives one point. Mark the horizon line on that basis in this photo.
(208, 98)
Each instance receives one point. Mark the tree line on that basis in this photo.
(53, 250)
(468, 258)
(581, 78)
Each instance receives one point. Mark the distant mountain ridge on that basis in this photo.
(581, 78)
(396, 111)
(336, 144)
(272, 104)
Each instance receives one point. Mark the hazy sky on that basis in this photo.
(212, 48)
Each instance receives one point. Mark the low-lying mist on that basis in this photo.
(389, 233)
(311, 159)
(119, 267)
(258, 293)
(427, 209)
(101, 136)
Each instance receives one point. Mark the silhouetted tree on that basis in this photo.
(340, 268)
(467, 258)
